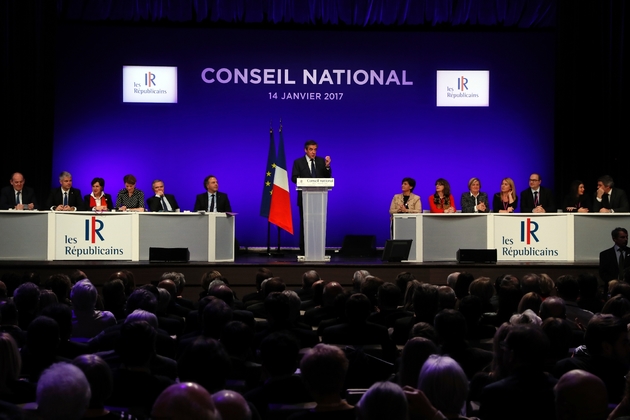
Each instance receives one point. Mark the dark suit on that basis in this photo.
(74, 199)
(108, 201)
(7, 198)
(155, 203)
(609, 264)
(301, 169)
(618, 201)
(467, 202)
(545, 199)
(222, 202)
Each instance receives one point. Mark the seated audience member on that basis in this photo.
(581, 396)
(226, 294)
(114, 298)
(9, 322)
(61, 285)
(383, 400)
(206, 363)
(527, 391)
(462, 285)
(527, 317)
(560, 338)
(589, 298)
(358, 278)
(370, 289)
(42, 346)
(569, 290)
(607, 356)
(161, 201)
(483, 288)
(446, 298)
(98, 200)
(547, 286)
(445, 384)
(12, 389)
(531, 283)
(26, 299)
(416, 351)
(87, 322)
(357, 331)
(324, 370)
(471, 308)
(306, 291)
(180, 282)
(185, 401)
(618, 305)
(317, 314)
(425, 307)
(135, 386)
(63, 315)
(450, 327)
(388, 298)
(231, 405)
(63, 393)
(65, 198)
(261, 275)
(279, 356)
(17, 196)
(99, 376)
(274, 284)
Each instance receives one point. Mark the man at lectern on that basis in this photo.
(17, 196)
(65, 198)
(212, 201)
(161, 201)
(309, 166)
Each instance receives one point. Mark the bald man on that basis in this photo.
(580, 396)
(185, 401)
(17, 196)
(231, 405)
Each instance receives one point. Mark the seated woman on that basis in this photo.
(130, 198)
(98, 200)
(442, 201)
(474, 201)
(407, 201)
(576, 201)
(505, 201)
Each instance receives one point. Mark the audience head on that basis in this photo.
(324, 370)
(279, 354)
(206, 363)
(83, 296)
(231, 405)
(527, 347)
(208, 276)
(10, 361)
(402, 281)
(416, 351)
(185, 401)
(530, 283)
(60, 284)
(446, 298)
(581, 396)
(99, 376)
(607, 336)
(358, 309)
(553, 307)
(388, 296)
(383, 400)
(177, 278)
(308, 278)
(142, 299)
(136, 345)
(331, 289)
(261, 275)
(617, 305)
(358, 278)
(445, 384)
(370, 288)
(63, 393)
(451, 279)
(462, 284)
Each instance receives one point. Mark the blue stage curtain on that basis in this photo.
(356, 13)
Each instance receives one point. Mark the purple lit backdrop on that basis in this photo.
(376, 135)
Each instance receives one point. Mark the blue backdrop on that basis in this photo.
(375, 134)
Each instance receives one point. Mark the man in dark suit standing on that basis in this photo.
(17, 196)
(537, 199)
(309, 166)
(161, 201)
(65, 198)
(212, 201)
(613, 261)
(607, 202)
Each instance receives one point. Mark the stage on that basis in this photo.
(241, 273)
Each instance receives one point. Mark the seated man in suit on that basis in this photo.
(65, 198)
(212, 200)
(161, 201)
(607, 202)
(613, 261)
(537, 199)
(17, 196)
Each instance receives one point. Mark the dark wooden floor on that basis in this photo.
(241, 272)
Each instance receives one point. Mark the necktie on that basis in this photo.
(212, 204)
(164, 206)
(313, 173)
(606, 201)
(65, 198)
(17, 198)
(535, 198)
(621, 264)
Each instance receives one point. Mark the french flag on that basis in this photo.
(280, 210)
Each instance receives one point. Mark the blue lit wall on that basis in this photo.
(375, 134)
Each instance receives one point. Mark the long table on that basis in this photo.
(48, 236)
(516, 236)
